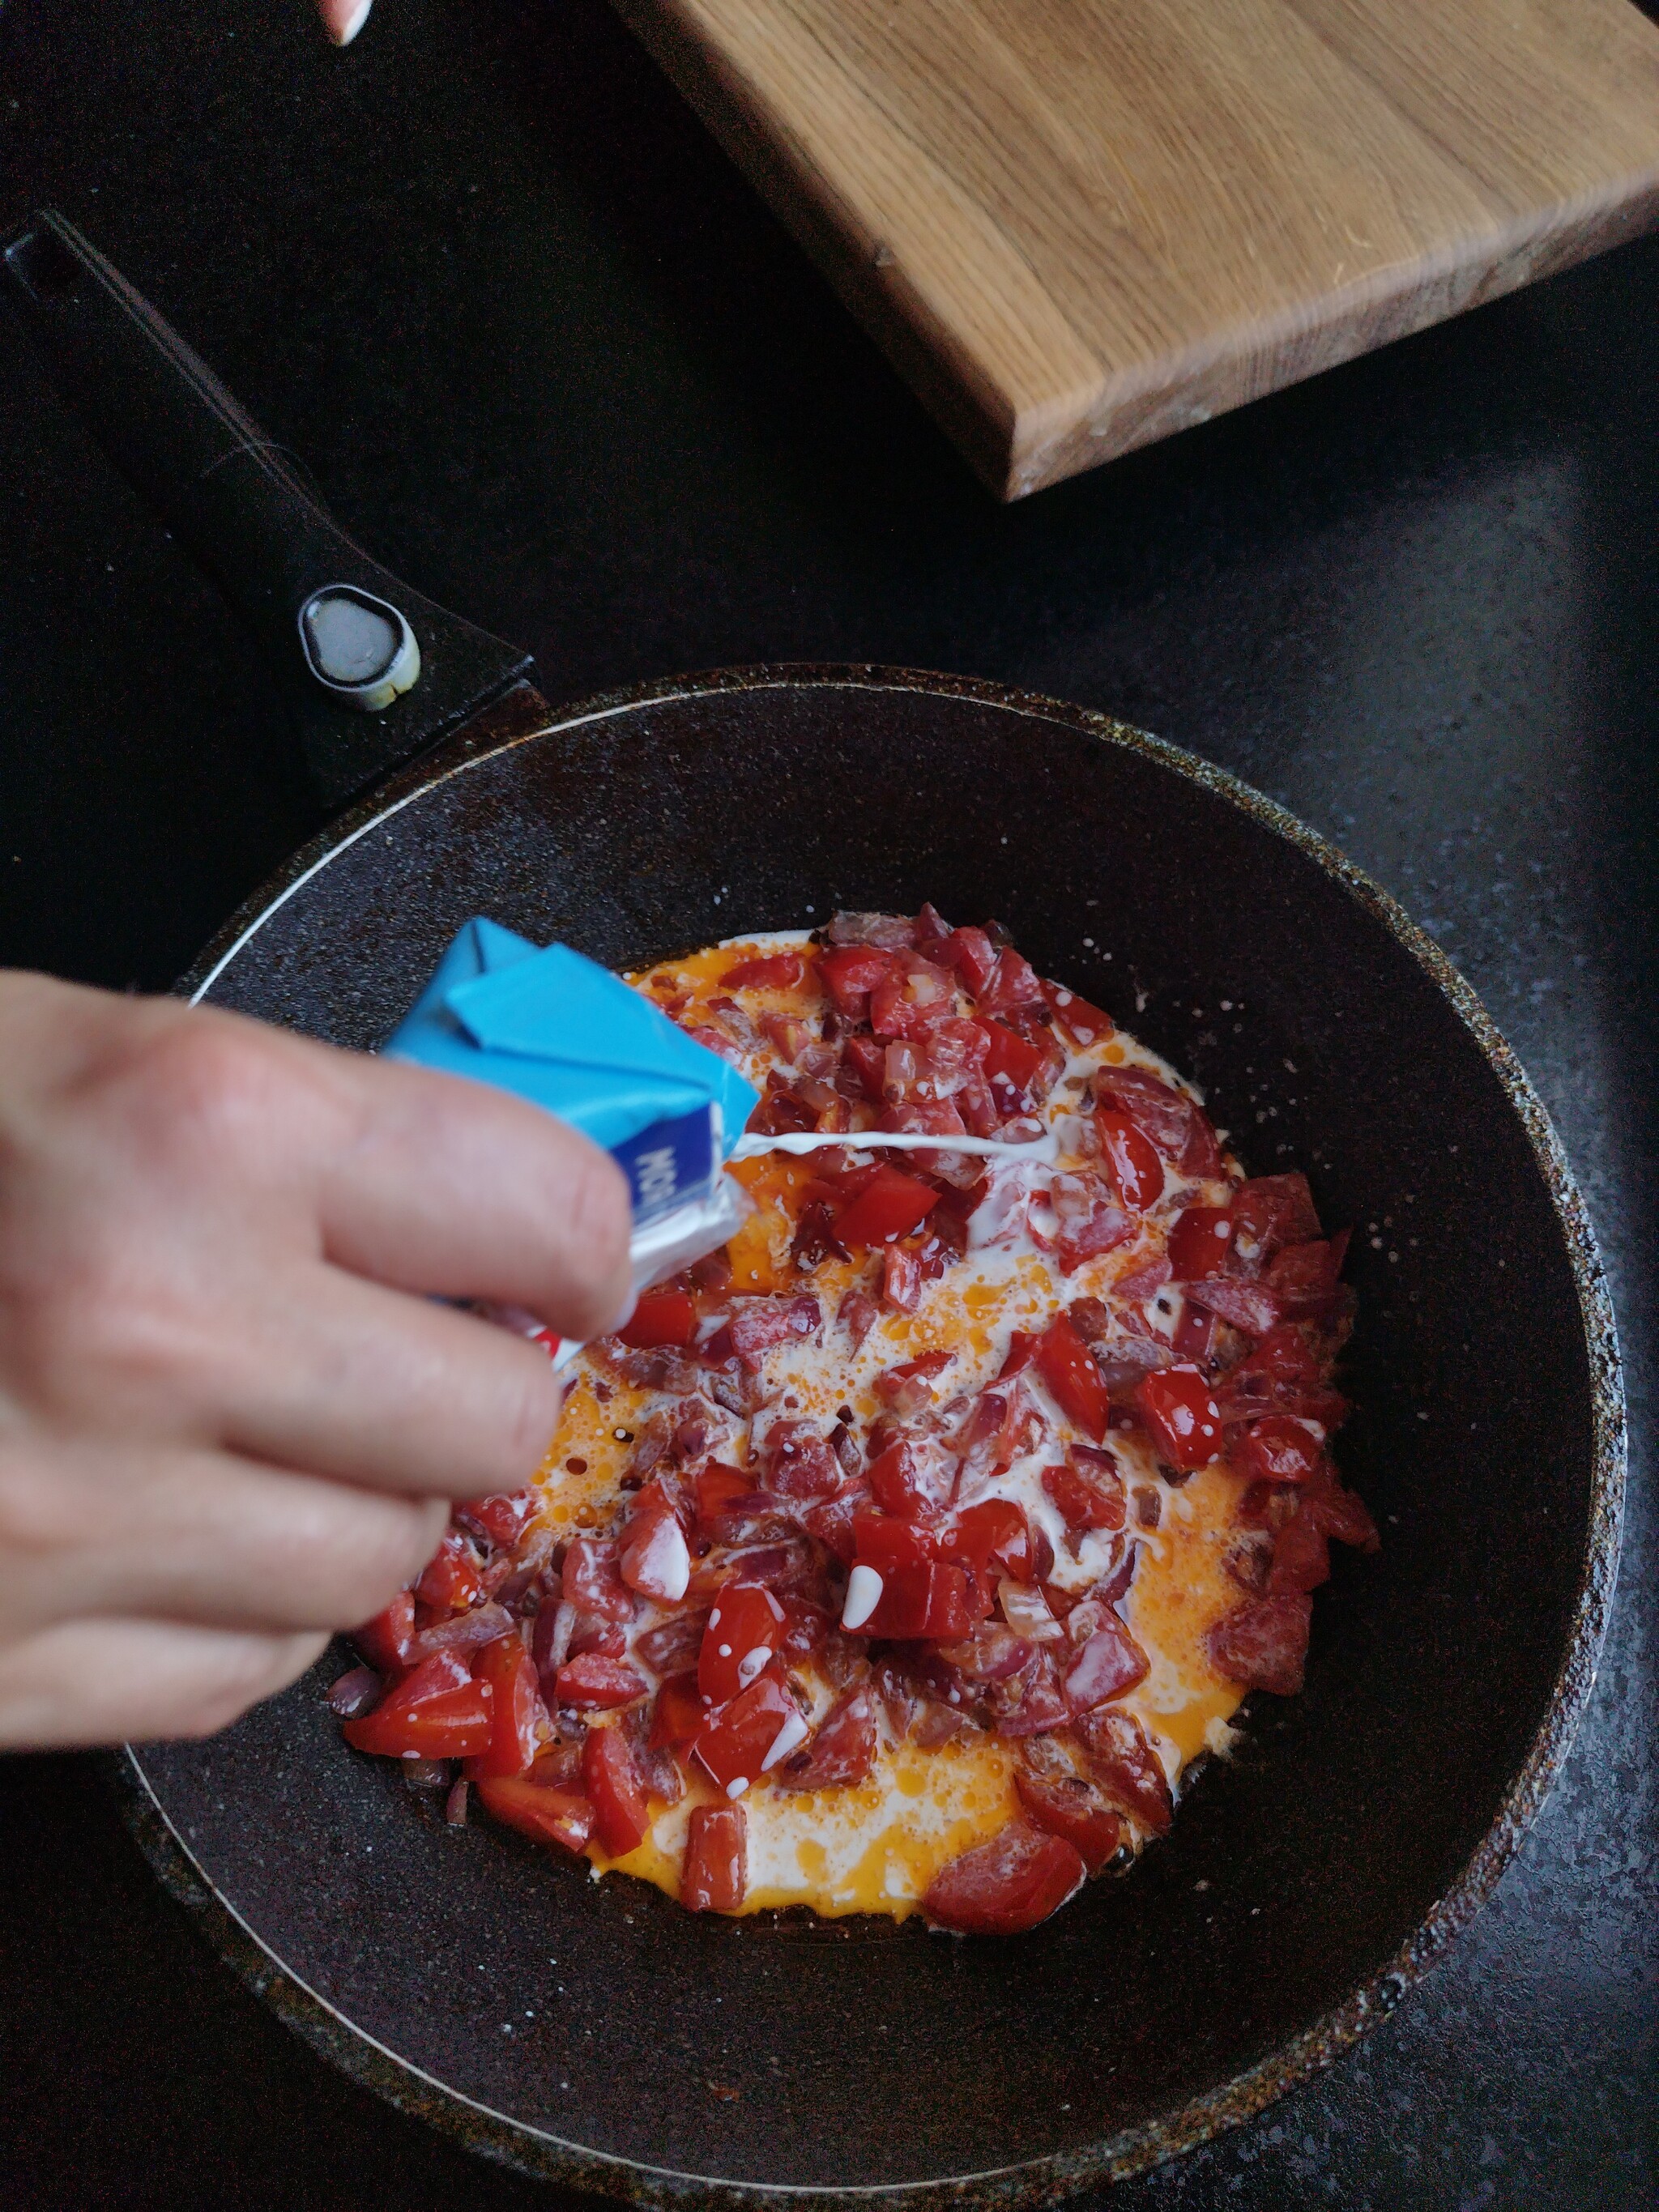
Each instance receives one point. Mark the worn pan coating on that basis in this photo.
(594, 2032)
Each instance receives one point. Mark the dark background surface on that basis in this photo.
(554, 363)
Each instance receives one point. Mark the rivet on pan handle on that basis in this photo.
(374, 672)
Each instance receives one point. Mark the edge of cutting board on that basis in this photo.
(1019, 447)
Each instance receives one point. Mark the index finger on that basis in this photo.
(452, 1187)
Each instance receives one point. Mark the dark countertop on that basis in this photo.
(552, 361)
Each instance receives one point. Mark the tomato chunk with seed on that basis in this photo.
(449, 1581)
(716, 1876)
(1074, 1383)
(1006, 1885)
(436, 1712)
(889, 1206)
(850, 973)
(1279, 1449)
(842, 1750)
(517, 1714)
(1089, 1495)
(741, 1740)
(1126, 1768)
(1130, 1161)
(661, 1317)
(741, 1642)
(594, 1683)
(771, 971)
(615, 1786)
(546, 1816)
(1067, 1806)
(1184, 1419)
(1200, 1240)
(1264, 1645)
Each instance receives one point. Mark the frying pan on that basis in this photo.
(591, 2031)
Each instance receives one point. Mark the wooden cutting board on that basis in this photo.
(1078, 225)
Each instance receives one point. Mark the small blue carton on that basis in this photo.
(568, 1035)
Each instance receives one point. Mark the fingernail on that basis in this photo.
(624, 1316)
(343, 31)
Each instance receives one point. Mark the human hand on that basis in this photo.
(231, 1417)
(343, 19)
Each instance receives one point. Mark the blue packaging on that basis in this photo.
(565, 1033)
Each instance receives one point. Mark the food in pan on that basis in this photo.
(905, 1554)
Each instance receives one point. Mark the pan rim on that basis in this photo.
(538, 2151)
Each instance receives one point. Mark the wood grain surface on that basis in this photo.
(1080, 225)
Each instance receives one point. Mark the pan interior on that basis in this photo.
(857, 2053)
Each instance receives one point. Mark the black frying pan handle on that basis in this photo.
(376, 673)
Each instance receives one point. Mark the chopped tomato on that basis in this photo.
(1264, 1645)
(757, 1325)
(1279, 1449)
(591, 1582)
(1006, 1885)
(1067, 1806)
(449, 1581)
(743, 1739)
(1083, 1023)
(914, 1478)
(1011, 985)
(908, 1388)
(653, 1559)
(740, 1641)
(547, 1816)
(842, 1750)
(910, 998)
(867, 1058)
(890, 1208)
(974, 956)
(1200, 1240)
(1340, 1513)
(1064, 1364)
(616, 1788)
(1089, 1496)
(1109, 1662)
(1251, 1307)
(436, 1712)
(881, 1542)
(773, 971)
(1011, 1059)
(594, 1683)
(850, 973)
(678, 1713)
(518, 1716)
(901, 1278)
(385, 1641)
(502, 1519)
(716, 1487)
(1302, 1556)
(716, 1876)
(1184, 1419)
(1193, 1340)
(1021, 1350)
(1270, 1211)
(1303, 1277)
(1126, 1768)
(1130, 1161)
(662, 1316)
(937, 1600)
(995, 1533)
